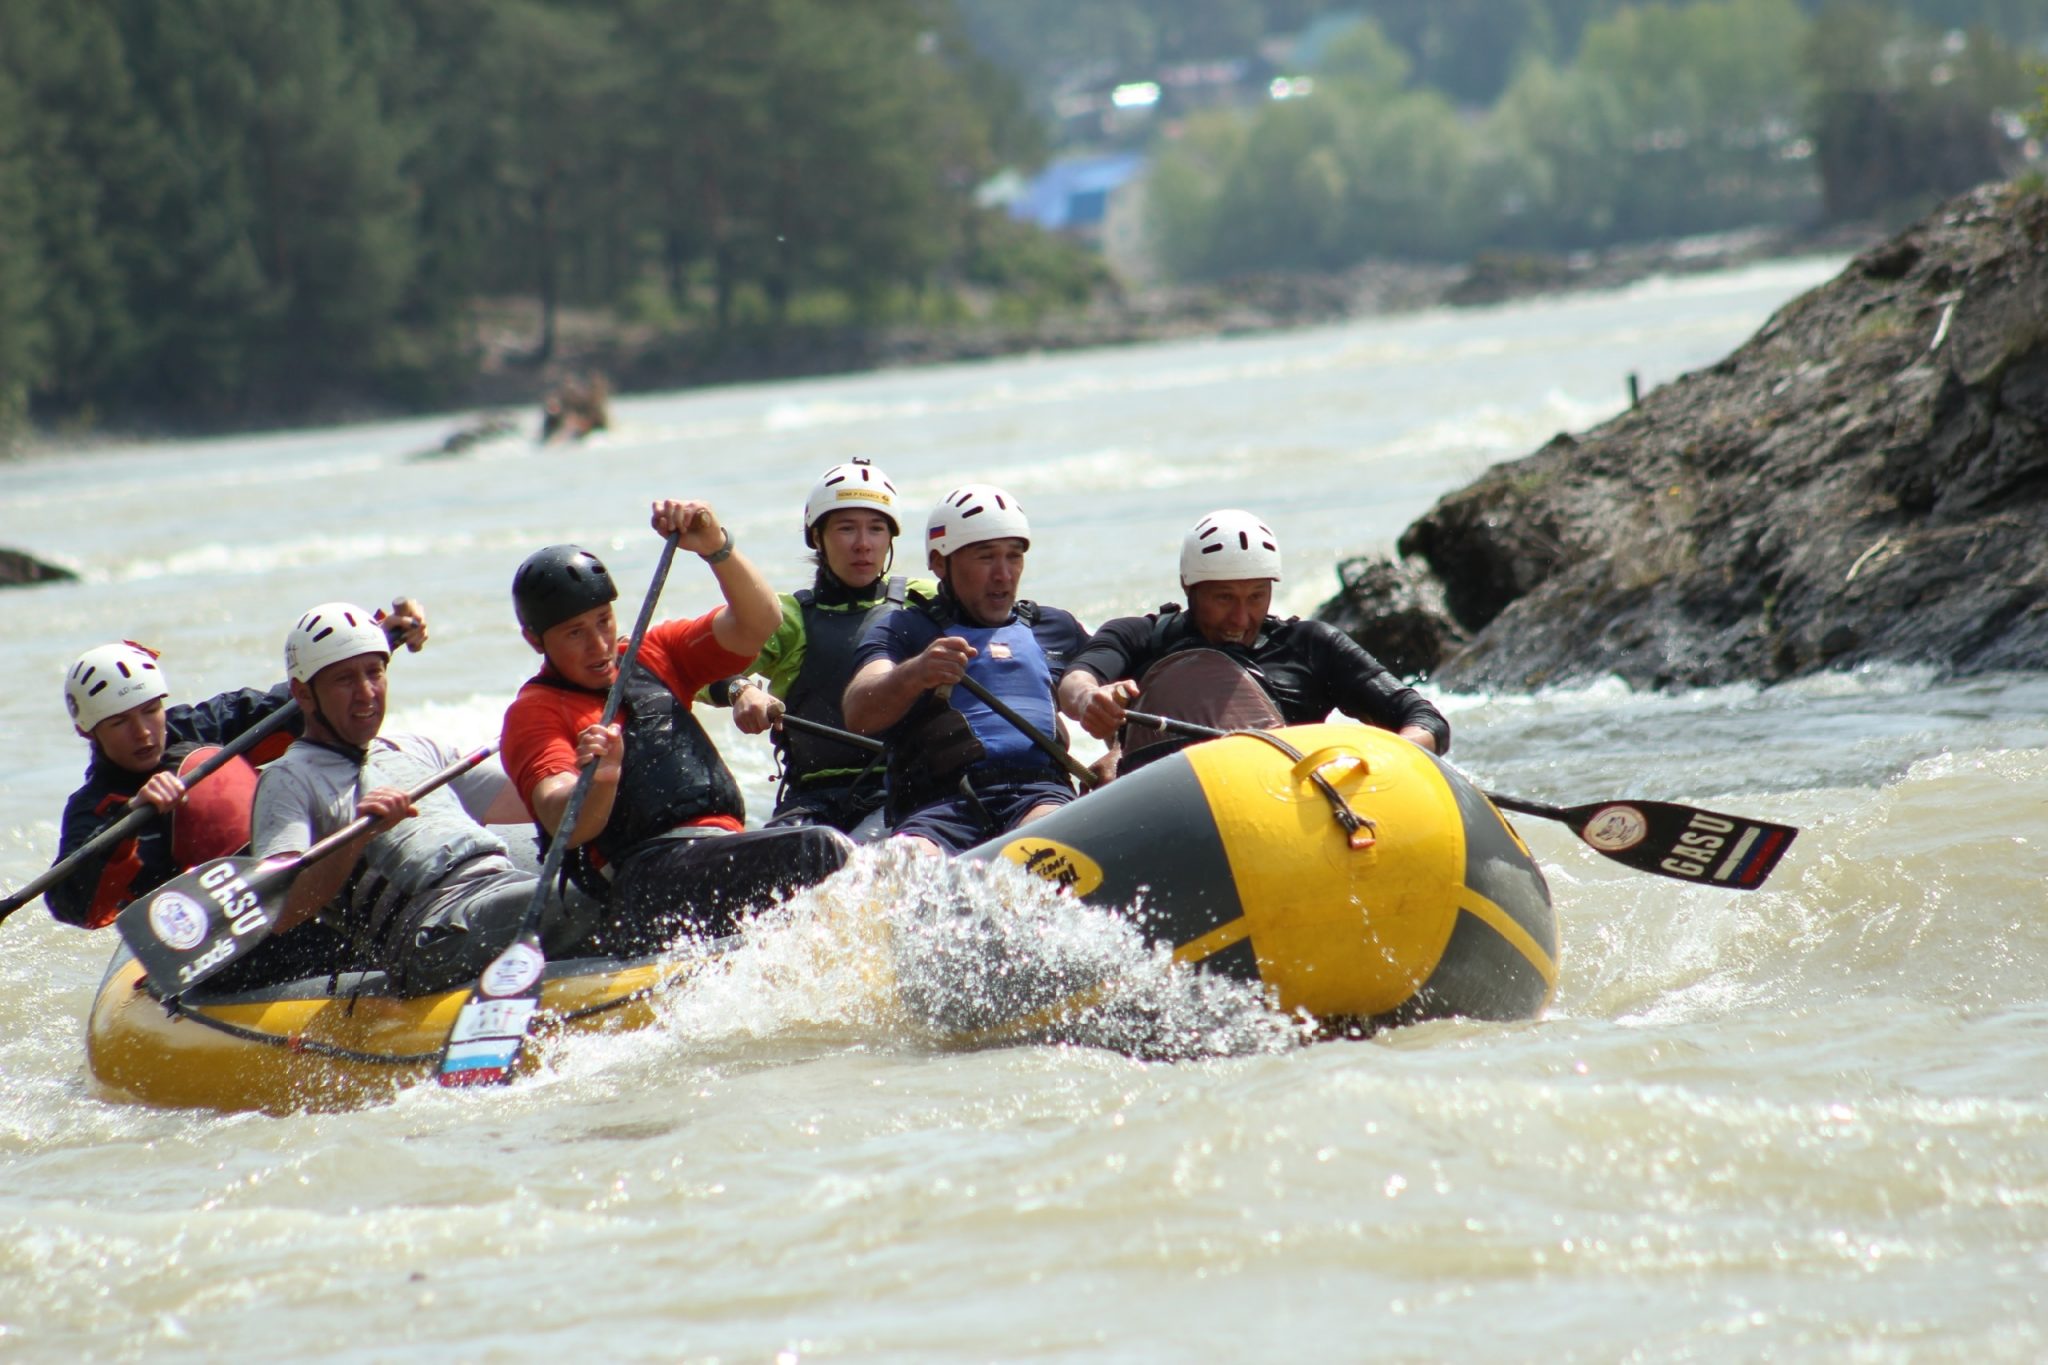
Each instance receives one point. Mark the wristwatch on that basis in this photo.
(723, 552)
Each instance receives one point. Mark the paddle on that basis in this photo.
(492, 1025)
(141, 813)
(194, 925)
(867, 742)
(1659, 837)
(1073, 766)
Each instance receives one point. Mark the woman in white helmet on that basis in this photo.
(116, 696)
(851, 521)
(977, 627)
(1302, 670)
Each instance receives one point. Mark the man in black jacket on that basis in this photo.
(115, 694)
(1229, 564)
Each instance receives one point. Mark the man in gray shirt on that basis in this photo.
(438, 895)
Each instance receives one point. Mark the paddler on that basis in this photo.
(851, 521)
(437, 895)
(660, 833)
(1290, 671)
(976, 627)
(115, 694)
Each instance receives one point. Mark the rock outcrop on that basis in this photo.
(1865, 480)
(18, 569)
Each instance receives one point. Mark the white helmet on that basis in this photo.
(856, 485)
(1229, 545)
(973, 513)
(111, 679)
(329, 633)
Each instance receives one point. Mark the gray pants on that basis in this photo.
(451, 946)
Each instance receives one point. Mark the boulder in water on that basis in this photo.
(18, 569)
(1865, 480)
(1396, 614)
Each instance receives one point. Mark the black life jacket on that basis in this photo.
(672, 773)
(831, 635)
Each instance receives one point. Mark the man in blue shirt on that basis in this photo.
(958, 772)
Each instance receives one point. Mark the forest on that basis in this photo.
(226, 212)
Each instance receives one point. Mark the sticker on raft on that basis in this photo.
(1063, 865)
(513, 970)
(178, 921)
(1616, 829)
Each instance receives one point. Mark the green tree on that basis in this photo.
(23, 338)
(1901, 115)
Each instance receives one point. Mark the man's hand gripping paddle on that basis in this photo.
(491, 1028)
(193, 926)
(1659, 837)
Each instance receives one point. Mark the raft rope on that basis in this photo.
(1359, 830)
(298, 1042)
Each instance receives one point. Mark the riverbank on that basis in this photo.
(640, 357)
(647, 359)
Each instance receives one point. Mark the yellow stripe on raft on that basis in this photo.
(1502, 923)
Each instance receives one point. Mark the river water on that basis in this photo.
(1801, 1124)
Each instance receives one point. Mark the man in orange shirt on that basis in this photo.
(659, 834)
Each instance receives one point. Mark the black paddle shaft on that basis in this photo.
(1659, 837)
(867, 742)
(1031, 732)
(490, 1029)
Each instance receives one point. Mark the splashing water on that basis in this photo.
(901, 944)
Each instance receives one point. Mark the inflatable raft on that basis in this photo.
(1352, 874)
(1356, 876)
(299, 1045)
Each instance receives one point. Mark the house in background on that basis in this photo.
(1098, 199)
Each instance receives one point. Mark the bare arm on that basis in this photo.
(1098, 706)
(882, 693)
(551, 794)
(752, 610)
(322, 882)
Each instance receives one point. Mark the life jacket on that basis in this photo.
(1010, 663)
(831, 636)
(212, 821)
(932, 752)
(414, 855)
(672, 773)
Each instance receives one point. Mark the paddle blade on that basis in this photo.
(492, 1026)
(1683, 842)
(193, 926)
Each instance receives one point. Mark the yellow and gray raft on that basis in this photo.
(1357, 877)
(1353, 875)
(301, 1046)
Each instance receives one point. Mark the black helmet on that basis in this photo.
(557, 583)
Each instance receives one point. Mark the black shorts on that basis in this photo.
(841, 805)
(700, 883)
(959, 824)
